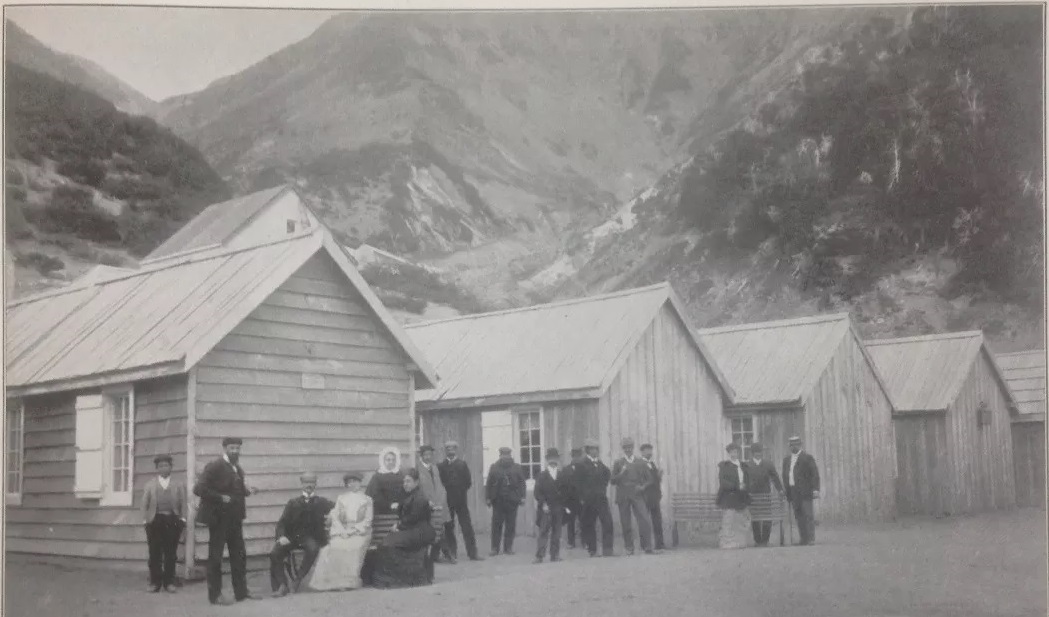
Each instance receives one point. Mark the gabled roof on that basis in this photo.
(926, 373)
(1024, 372)
(570, 349)
(217, 223)
(163, 318)
(777, 362)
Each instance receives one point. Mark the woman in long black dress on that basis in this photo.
(403, 559)
(386, 487)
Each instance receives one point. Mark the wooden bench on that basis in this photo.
(381, 526)
(702, 507)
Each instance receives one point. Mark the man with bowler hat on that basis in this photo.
(222, 492)
(455, 475)
(301, 526)
(761, 476)
(551, 494)
(802, 479)
(594, 477)
(504, 493)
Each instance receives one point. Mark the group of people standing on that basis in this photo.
(739, 481)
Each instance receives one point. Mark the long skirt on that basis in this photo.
(735, 529)
(339, 564)
(401, 560)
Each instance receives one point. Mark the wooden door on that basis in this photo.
(922, 483)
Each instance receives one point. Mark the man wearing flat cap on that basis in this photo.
(504, 494)
(432, 489)
(631, 476)
(551, 496)
(222, 492)
(163, 512)
(301, 526)
(801, 478)
(455, 475)
(761, 477)
(593, 480)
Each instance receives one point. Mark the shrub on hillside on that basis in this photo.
(41, 262)
(85, 171)
(72, 210)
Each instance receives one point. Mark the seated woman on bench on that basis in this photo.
(403, 558)
(339, 564)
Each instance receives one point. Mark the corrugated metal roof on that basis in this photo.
(926, 373)
(216, 223)
(166, 314)
(1024, 372)
(775, 361)
(560, 347)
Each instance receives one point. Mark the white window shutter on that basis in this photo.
(90, 427)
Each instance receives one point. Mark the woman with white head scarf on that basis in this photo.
(386, 487)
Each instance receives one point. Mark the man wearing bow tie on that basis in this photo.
(301, 526)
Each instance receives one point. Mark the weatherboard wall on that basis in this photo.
(51, 520)
(1029, 463)
(310, 381)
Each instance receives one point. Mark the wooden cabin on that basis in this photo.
(953, 416)
(1024, 371)
(812, 377)
(282, 344)
(604, 367)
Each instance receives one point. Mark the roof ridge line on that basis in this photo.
(942, 336)
(534, 307)
(156, 266)
(780, 323)
(1017, 353)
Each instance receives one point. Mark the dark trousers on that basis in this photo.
(762, 530)
(504, 524)
(162, 534)
(570, 518)
(227, 532)
(594, 511)
(549, 533)
(655, 512)
(639, 509)
(462, 512)
(280, 552)
(806, 521)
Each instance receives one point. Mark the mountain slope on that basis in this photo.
(23, 49)
(427, 133)
(897, 175)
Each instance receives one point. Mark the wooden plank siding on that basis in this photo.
(848, 428)
(1029, 457)
(255, 384)
(665, 394)
(51, 520)
(981, 456)
(923, 485)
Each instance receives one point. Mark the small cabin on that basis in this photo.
(953, 417)
(1024, 371)
(553, 375)
(811, 377)
(282, 344)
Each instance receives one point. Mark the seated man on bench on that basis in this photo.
(301, 526)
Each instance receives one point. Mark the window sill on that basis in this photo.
(87, 494)
(118, 499)
(13, 499)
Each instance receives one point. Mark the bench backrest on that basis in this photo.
(703, 506)
(382, 523)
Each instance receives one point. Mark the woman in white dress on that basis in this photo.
(339, 563)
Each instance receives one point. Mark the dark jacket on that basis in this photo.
(630, 478)
(455, 475)
(571, 473)
(414, 529)
(654, 490)
(762, 477)
(806, 476)
(506, 482)
(554, 493)
(732, 494)
(220, 478)
(593, 480)
(385, 489)
(302, 520)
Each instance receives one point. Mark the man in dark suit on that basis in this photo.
(301, 526)
(504, 494)
(761, 477)
(654, 495)
(551, 494)
(802, 480)
(594, 477)
(631, 476)
(572, 507)
(455, 475)
(222, 491)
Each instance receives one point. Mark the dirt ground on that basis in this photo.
(992, 564)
